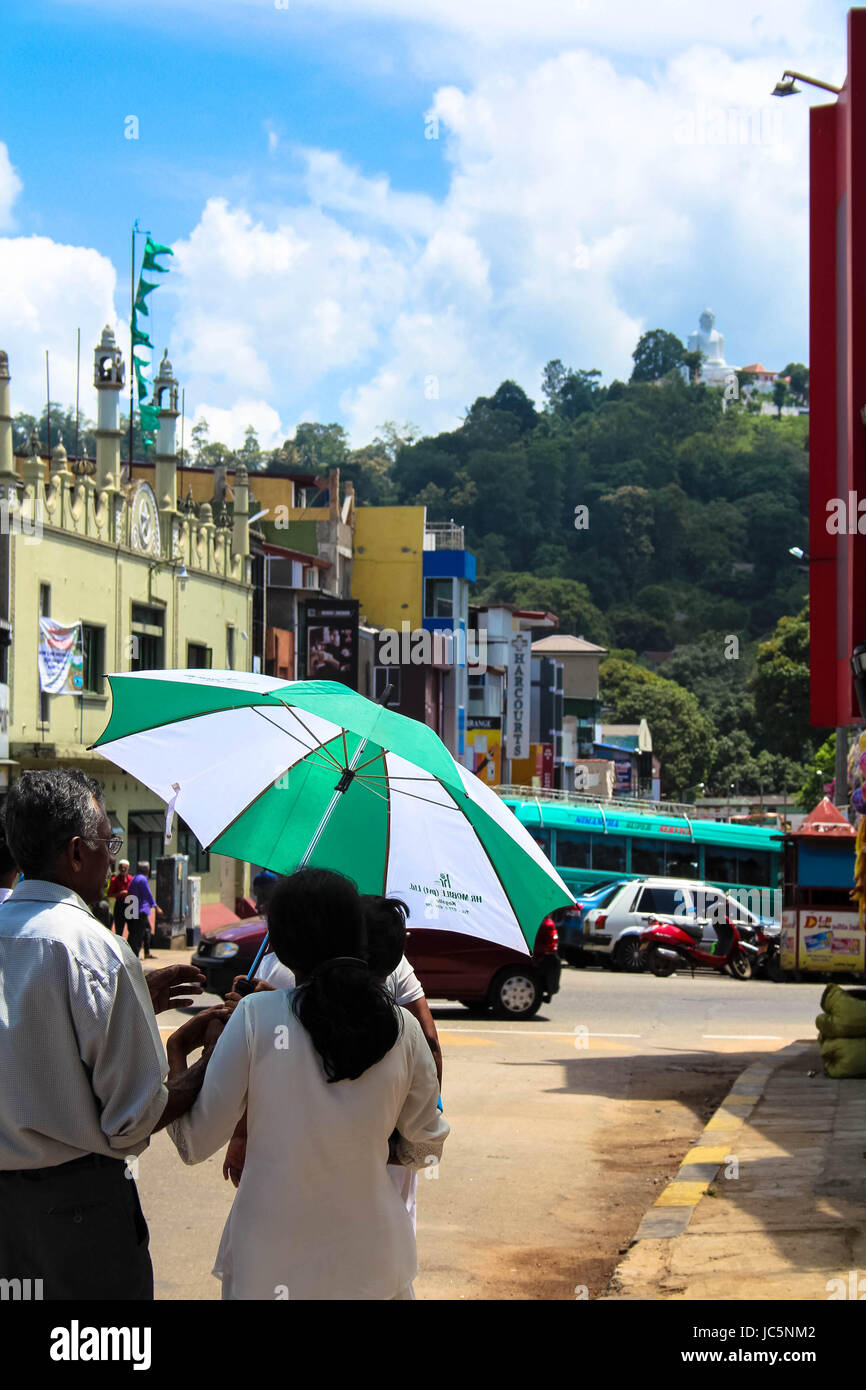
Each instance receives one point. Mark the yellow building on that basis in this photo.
(151, 583)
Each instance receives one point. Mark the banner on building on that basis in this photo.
(331, 640)
(519, 695)
(60, 658)
(484, 741)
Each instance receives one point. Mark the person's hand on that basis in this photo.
(234, 995)
(233, 1163)
(173, 986)
(159, 911)
(202, 1030)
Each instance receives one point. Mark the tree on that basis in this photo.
(692, 362)
(818, 775)
(199, 434)
(320, 447)
(568, 393)
(250, 452)
(683, 738)
(780, 689)
(780, 394)
(657, 353)
(62, 427)
(569, 600)
(797, 375)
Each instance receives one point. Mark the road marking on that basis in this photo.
(745, 1037)
(454, 1040)
(536, 1033)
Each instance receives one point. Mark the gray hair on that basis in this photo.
(144, 867)
(44, 811)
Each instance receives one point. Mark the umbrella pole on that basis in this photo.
(342, 786)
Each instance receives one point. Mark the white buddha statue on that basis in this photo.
(709, 341)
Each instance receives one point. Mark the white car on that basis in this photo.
(611, 933)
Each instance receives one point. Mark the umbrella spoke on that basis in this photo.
(317, 742)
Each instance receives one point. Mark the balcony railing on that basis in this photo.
(616, 803)
(443, 535)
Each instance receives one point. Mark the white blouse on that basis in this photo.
(316, 1215)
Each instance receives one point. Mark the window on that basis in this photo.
(608, 852)
(384, 676)
(542, 839)
(198, 656)
(682, 861)
(647, 856)
(438, 598)
(721, 866)
(145, 838)
(148, 638)
(754, 867)
(199, 859)
(667, 901)
(44, 612)
(573, 849)
(230, 648)
(93, 646)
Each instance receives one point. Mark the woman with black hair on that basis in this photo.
(326, 1072)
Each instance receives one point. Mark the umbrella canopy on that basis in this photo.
(283, 773)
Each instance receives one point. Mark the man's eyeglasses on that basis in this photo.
(114, 842)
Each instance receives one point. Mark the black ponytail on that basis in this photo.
(317, 929)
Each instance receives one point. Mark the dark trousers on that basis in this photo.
(79, 1228)
(139, 934)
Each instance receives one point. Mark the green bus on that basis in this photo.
(590, 844)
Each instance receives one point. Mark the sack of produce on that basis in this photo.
(830, 1027)
(844, 1057)
(848, 1014)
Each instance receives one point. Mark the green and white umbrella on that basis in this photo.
(286, 773)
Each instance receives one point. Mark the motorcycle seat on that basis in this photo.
(692, 929)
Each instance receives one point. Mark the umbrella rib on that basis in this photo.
(289, 734)
(317, 741)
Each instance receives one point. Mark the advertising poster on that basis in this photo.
(60, 658)
(484, 741)
(331, 640)
(821, 941)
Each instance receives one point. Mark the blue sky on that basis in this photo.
(598, 170)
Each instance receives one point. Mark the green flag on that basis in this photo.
(144, 288)
(152, 249)
(149, 416)
(140, 339)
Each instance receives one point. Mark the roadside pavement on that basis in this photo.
(771, 1201)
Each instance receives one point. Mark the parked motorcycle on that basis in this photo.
(665, 945)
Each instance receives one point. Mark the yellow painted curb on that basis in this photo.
(739, 1098)
(681, 1194)
(724, 1121)
(706, 1154)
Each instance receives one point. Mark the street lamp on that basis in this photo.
(787, 88)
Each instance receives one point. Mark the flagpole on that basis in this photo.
(77, 385)
(131, 345)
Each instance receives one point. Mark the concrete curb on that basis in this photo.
(670, 1214)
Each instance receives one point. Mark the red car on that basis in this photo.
(449, 965)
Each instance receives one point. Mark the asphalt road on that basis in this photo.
(563, 1129)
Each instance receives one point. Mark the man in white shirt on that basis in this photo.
(83, 1067)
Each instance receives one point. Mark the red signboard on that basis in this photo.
(547, 765)
(837, 388)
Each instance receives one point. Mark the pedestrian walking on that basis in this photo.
(84, 1072)
(118, 889)
(330, 1070)
(139, 910)
(385, 925)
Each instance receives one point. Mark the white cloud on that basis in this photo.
(47, 292)
(229, 425)
(10, 187)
